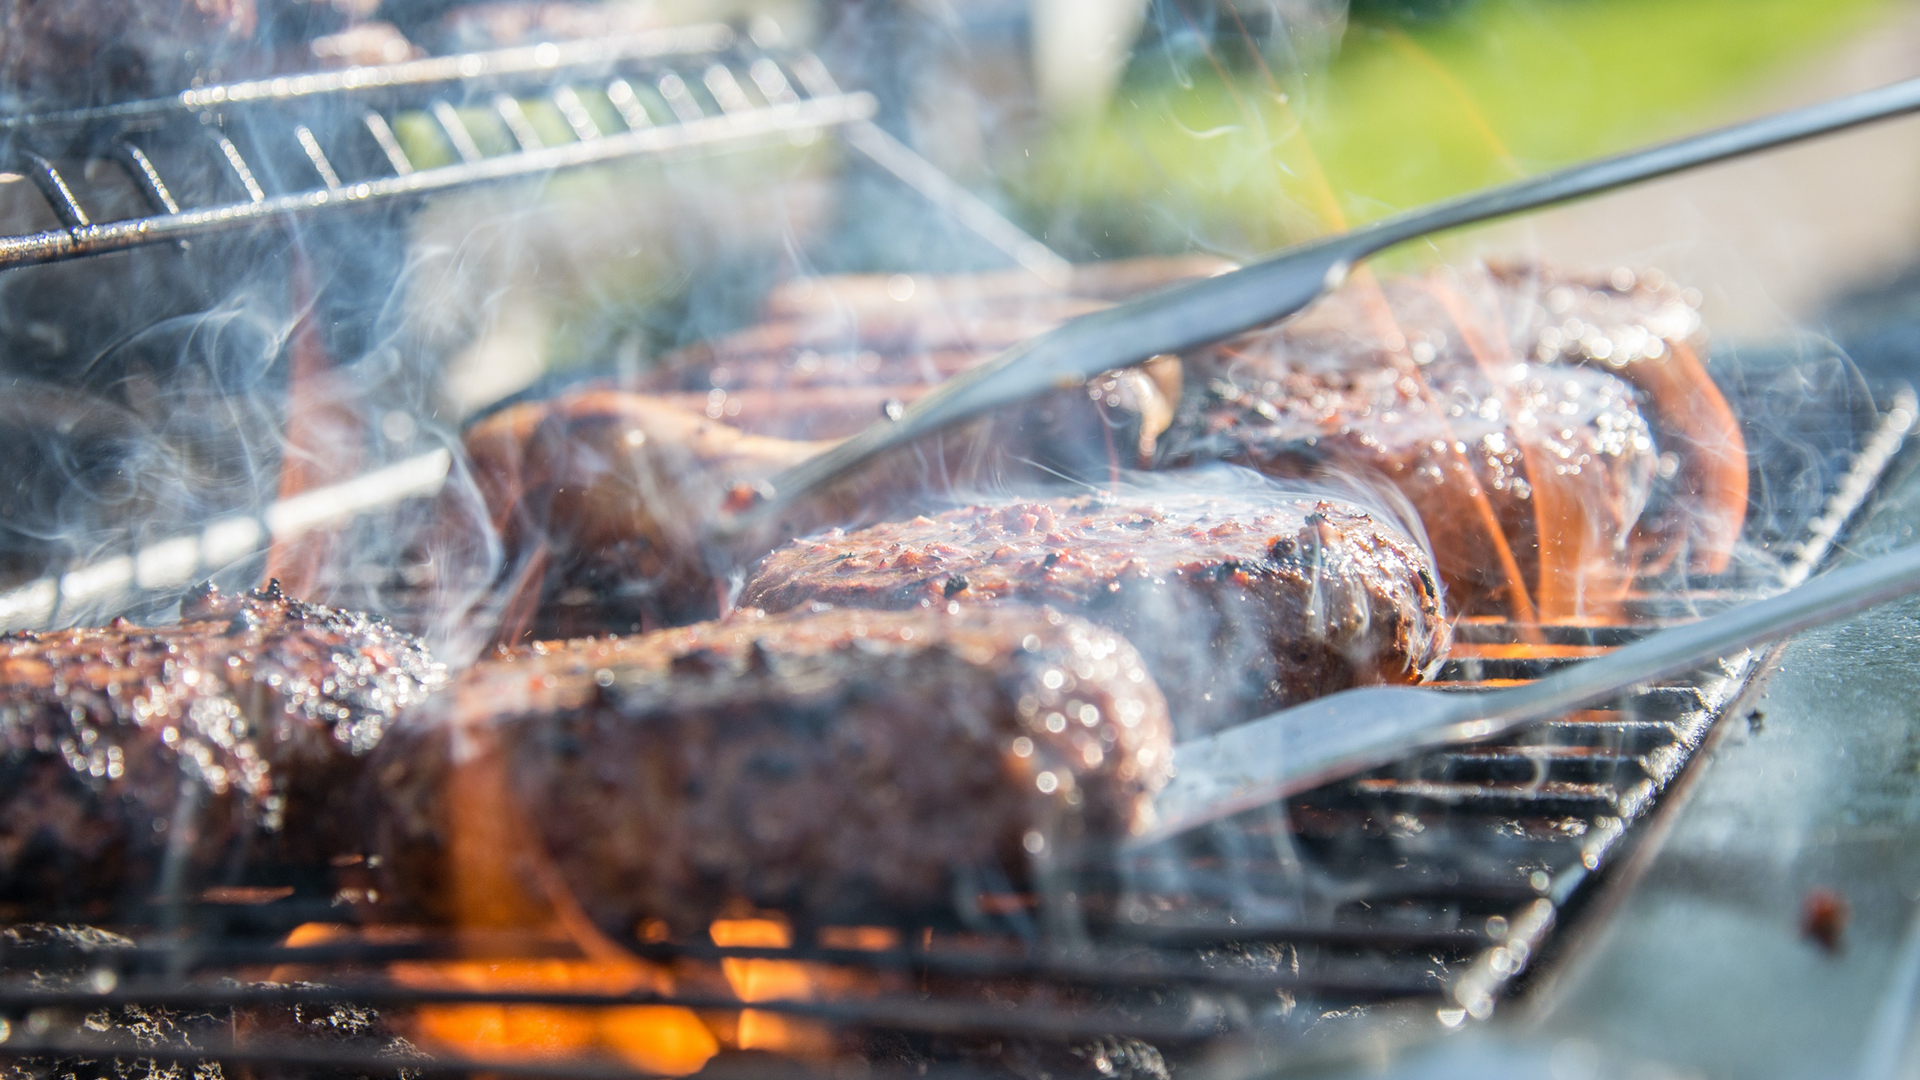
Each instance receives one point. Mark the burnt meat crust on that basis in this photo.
(839, 764)
(232, 738)
(1523, 411)
(1384, 382)
(1239, 605)
(608, 484)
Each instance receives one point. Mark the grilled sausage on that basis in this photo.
(145, 763)
(838, 764)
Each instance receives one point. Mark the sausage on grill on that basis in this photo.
(839, 764)
(1238, 603)
(609, 485)
(139, 760)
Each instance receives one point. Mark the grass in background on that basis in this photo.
(1241, 159)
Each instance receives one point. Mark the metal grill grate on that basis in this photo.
(1417, 893)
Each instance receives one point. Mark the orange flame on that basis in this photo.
(499, 880)
(770, 980)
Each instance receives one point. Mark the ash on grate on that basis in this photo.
(80, 958)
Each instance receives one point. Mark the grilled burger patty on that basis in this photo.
(1512, 408)
(228, 741)
(831, 764)
(611, 482)
(1239, 604)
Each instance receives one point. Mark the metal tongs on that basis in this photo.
(1297, 749)
(1192, 314)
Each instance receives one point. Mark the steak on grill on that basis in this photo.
(616, 489)
(1239, 603)
(837, 764)
(609, 485)
(139, 759)
(1527, 454)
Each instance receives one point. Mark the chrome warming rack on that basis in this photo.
(219, 158)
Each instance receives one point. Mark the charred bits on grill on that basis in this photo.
(834, 765)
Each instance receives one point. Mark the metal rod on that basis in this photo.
(519, 124)
(567, 100)
(304, 135)
(1188, 315)
(147, 177)
(467, 67)
(241, 169)
(58, 195)
(456, 131)
(389, 145)
(901, 1012)
(967, 208)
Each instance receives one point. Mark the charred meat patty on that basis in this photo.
(1523, 413)
(191, 753)
(842, 764)
(608, 486)
(1239, 603)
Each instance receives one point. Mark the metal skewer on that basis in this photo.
(1198, 312)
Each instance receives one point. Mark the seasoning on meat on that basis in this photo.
(609, 485)
(1239, 603)
(1512, 409)
(138, 756)
(840, 764)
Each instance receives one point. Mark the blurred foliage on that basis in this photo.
(1423, 99)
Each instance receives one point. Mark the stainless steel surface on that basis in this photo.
(1192, 314)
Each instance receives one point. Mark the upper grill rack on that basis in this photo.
(218, 158)
(1419, 892)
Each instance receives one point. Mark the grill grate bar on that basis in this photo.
(455, 128)
(627, 104)
(514, 115)
(58, 195)
(389, 144)
(575, 112)
(318, 156)
(1112, 967)
(147, 177)
(896, 1013)
(367, 1062)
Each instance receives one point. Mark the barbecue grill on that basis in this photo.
(1420, 894)
(1413, 898)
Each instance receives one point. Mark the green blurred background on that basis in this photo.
(1421, 100)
